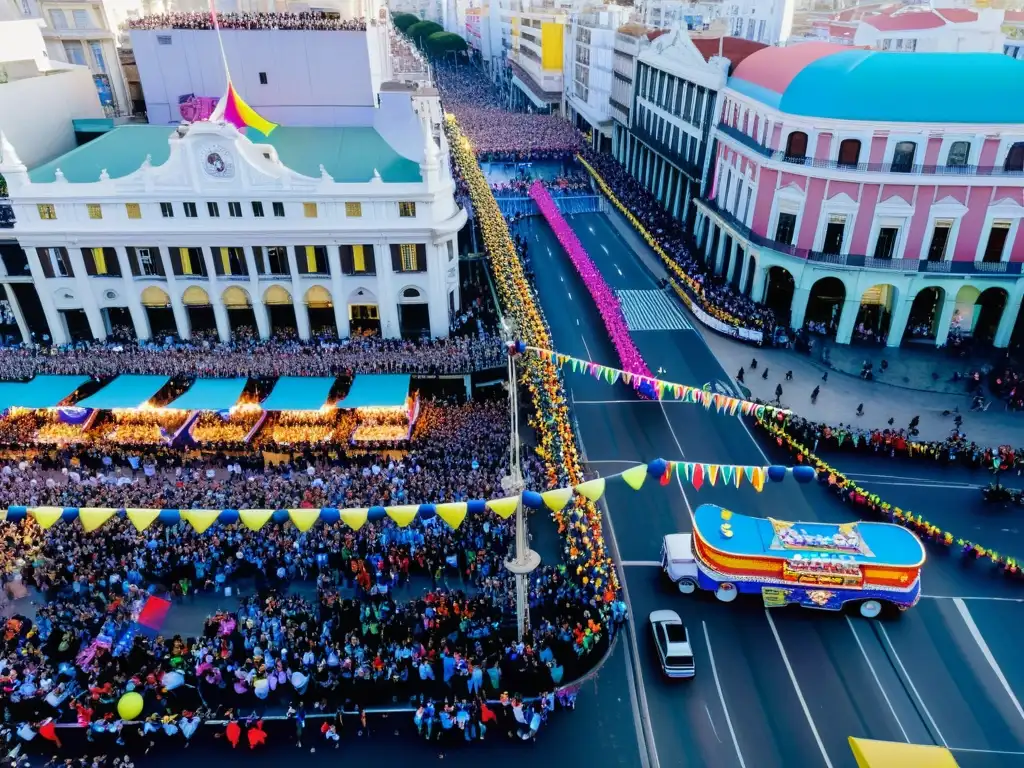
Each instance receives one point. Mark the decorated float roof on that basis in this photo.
(349, 155)
(828, 80)
(861, 542)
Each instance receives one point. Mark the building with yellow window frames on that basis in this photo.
(199, 228)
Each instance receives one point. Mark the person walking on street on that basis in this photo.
(825, 377)
(789, 375)
(739, 376)
(765, 374)
(753, 364)
(778, 394)
(860, 409)
(814, 395)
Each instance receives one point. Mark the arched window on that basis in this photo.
(849, 152)
(796, 146)
(903, 157)
(1015, 158)
(959, 152)
(410, 293)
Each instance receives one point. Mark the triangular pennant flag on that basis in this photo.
(686, 468)
(666, 476)
(354, 518)
(628, 378)
(635, 476)
(46, 516)
(403, 514)
(749, 472)
(304, 519)
(591, 489)
(254, 519)
(142, 518)
(698, 476)
(728, 474)
(200, 519)
(712, 472)
(94, 517)
(504, 508)
(707, 400)
(557, 499)
(453, 513)
(758, 479)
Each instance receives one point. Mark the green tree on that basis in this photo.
(443, 43)
(404, 20)
(421, 30)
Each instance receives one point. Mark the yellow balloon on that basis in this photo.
(129, 706)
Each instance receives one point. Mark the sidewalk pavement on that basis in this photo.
(911, 390)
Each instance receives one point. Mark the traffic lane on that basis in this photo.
(750, 674)
(961, 696)
(995, 619)
(879, 468)
(616, 259)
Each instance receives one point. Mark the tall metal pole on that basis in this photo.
(524, 560)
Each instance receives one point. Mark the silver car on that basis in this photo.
(673, 642)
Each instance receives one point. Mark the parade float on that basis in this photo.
(816, 565)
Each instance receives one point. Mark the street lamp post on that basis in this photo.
(524, 560)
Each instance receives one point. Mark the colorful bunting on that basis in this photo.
(254, 519)
(142, 518)
(591, 489)
(504, 508)
(200, 519)
(402, 515)
(453, 513)
(635, 476)
(354, 518)
(303, 519)
(93, 519)
(557, 499)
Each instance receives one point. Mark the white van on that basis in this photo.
(678, 563)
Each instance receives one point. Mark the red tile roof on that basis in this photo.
(735, 49)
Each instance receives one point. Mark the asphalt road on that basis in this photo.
(786, 688)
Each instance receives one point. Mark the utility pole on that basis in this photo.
(524, 560)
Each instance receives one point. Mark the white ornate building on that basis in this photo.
(174, 230)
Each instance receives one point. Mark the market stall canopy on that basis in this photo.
(894, 754)
(210, 395)
(299, 393)
(126, 391)
(41, 392)
(387, 390)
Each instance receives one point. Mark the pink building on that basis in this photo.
(880, 194)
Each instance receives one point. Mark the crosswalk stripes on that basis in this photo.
(652, 310)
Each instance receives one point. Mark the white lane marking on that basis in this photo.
(577, 321)
(877, 681)
(965, 597)
(604, 248)
(589, 357)
(944, 486)
(617, 269)
(569, 295)
(913, 688)
(985, 751)
(796, 687)
(591, 230)
(641, 563)
(651, 310)
(721, 696)
(712, 721)
(961, 606)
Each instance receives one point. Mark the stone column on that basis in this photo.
(259, 309)
(86, 297)
(139, 317)
(847, 320)
(945, 317)
(338, 299)
(799, 307)
(898, 322)
(19, 316)
(1008, 320)
(301, 315)
(757, 287)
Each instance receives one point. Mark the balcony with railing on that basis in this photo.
(860, 261)
(674, 156)
(918, 169)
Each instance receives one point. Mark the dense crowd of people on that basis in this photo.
(716, 296)
(420, 613)
(248, 20)
(496, 133)
(257, 358)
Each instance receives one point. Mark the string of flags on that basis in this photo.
(658, 387)
(697, 474)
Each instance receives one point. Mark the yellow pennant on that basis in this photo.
(304, 519)
(354, 518)
(453, 513)
(46, 516)
(504, 508)
(254, 519)
(402, 514)
(94, 517)
(557, 499)
(200, 519)
(142, 518)
(592, 489)
(635, 476)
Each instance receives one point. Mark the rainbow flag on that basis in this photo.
(241, 115)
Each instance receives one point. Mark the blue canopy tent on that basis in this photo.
(40, 392)
(126, 391)
(299, 393)
(210, 395)
(387, 390)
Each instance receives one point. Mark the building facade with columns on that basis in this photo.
(200, 228)
(858, 191)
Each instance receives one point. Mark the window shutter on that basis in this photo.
(257, 254)
(396, 257)
(421, 257)
(113, 262)
(90, 262)
(371, 264)
(67, 262)
(347, 261)
(158, 260)
(176, 261)
(133, 261)
(44, 260)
